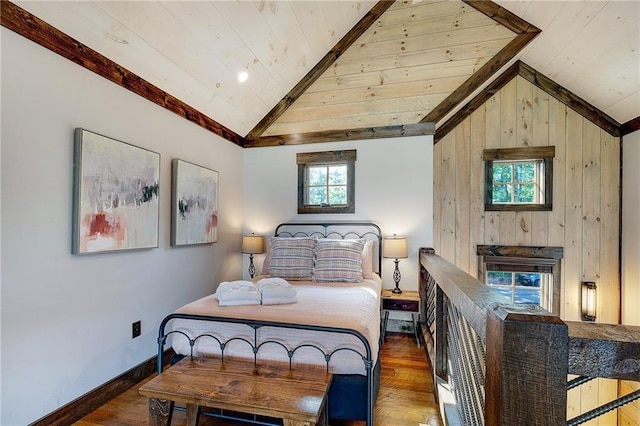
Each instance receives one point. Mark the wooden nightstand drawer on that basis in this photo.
(407, 301)
(400, 305)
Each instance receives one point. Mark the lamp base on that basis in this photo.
(252, 268)
(396, 278)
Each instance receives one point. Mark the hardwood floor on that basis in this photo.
(405, 399)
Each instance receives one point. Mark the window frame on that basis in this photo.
(544, 154)
(524, 259)
(326, 158)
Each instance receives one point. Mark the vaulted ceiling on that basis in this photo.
(338, 70)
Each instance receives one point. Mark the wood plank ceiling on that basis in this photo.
(313, 75)
(397, 72)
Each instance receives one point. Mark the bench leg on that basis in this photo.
(160, 411)
(287, 422)
(193, 414)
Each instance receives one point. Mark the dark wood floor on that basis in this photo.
(405, 399)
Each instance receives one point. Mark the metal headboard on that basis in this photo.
(343, 230)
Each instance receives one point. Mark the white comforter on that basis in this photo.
(347, 305)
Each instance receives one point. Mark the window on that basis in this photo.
(518, 182)
(523, 274)
(519, 178)
(326, 182)
(523, 287)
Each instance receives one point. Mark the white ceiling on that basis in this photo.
(591, 48)
(194, 49)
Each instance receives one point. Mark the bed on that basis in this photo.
(335, 321)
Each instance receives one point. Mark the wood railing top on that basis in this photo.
(595, 350)
(466, 293)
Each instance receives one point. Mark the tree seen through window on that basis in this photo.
(327, 185)
(516, 182)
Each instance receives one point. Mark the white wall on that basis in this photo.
(66, 320)
(631, 229)
(394, 188)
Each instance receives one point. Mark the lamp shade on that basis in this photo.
(394, 247)
(253, 244)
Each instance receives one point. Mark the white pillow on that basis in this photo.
(367, 259)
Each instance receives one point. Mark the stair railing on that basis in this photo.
(498, 363)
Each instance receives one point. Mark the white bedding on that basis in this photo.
(346, 305)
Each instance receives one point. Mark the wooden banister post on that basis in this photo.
(526, 366)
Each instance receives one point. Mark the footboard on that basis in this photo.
(256, 345)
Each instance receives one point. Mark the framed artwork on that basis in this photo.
(115, 195)
(194, 204)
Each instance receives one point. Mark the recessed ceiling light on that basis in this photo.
(243, 76)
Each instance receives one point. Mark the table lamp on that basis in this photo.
(395, 247)
(252, 244)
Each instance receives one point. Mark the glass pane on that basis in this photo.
(338, 175)
(317, 196)
(524, 193)
(525, 295)
(528, 279)
(501, 172)
(501, 194)
(505, 291)
(525, 172)
(337, 195)
(317, 175)
(498, 278)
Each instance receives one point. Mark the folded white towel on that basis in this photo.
(276, 291)
(234, 293)
(278, 301)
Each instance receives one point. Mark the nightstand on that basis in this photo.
(407, 301)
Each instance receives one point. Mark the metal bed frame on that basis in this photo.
(324, 230)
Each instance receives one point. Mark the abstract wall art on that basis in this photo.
(115, 195)
(194, 200)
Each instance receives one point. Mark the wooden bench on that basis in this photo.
(298, 396)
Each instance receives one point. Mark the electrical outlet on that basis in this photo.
(136, 329)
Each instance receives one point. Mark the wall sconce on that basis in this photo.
(252, 244)
(588, 301)
(395, 247)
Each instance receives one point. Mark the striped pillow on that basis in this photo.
(292, 258)
(338, 260)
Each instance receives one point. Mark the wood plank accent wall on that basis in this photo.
(586, 203)
(545, 84)
(629, 415)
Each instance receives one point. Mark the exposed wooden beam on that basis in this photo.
(35, 29)
(631, 126)
(477, 102)
(502, 16)
(604, 350)
(343, 135)
(526, 32)
(324, 64)
(571, 100)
